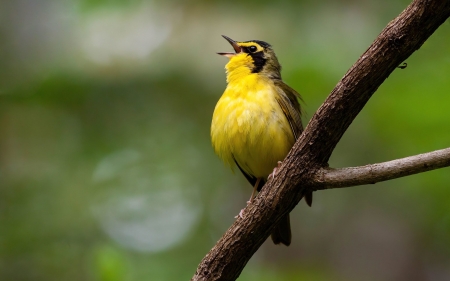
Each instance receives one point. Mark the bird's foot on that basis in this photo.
(242, 211)
(272, 175)
(240, 214)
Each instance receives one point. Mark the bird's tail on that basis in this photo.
(282, 231)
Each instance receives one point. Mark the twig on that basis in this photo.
(329, 178)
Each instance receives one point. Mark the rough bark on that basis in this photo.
(401, 37)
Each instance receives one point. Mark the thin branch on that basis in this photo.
(329, 178)
(401, 37)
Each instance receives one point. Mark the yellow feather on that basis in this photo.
(257, 119)
(248, 124)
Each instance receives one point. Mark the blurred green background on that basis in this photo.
(106, 167)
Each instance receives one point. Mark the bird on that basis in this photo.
(257, 119)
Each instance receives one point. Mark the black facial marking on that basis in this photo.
(259, 61)
(258, 57)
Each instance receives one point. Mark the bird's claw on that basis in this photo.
(272, 175)
(240, 214)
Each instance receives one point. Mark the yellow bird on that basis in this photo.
(257, 119)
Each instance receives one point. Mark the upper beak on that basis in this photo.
(233, 43)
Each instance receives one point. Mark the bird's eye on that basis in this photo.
(252, 49)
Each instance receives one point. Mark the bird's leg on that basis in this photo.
(255, 188)
(272, 175)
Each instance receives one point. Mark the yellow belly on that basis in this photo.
(249, 127)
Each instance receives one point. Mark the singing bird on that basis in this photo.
(257, 119)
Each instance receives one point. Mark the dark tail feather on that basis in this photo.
(282, 232)
(309, 198)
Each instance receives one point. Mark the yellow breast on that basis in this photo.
(249, 126)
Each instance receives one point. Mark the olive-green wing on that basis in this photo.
(288, 99)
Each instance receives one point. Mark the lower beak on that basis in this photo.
(236, 48)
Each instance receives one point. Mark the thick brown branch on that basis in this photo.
(335, 178)
(402, 36)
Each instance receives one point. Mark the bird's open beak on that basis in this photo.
(233, 43)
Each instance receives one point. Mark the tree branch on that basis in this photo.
(370, 174)
(401, 37)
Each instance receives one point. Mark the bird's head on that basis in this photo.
(252, 56)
